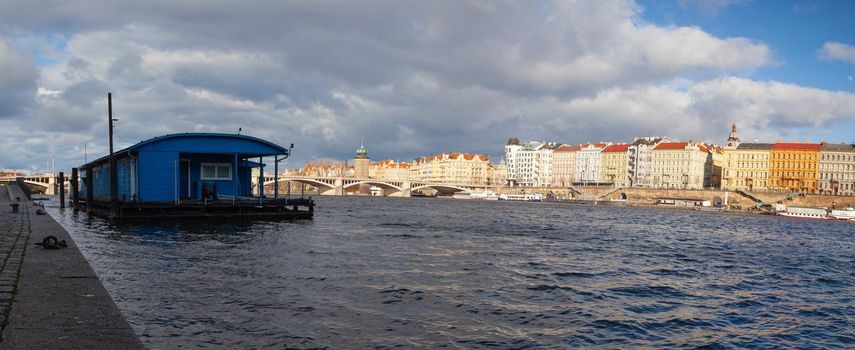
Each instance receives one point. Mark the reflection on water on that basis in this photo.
(384, 272)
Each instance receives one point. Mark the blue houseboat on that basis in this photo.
(188, 175)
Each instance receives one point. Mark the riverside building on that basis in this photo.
(686, 165)
(530, 163)
(453, 168)
(614, 165)
(640, 161)
(794, 167)
(837, 169)
(588, 162)
(389, 170)
(564, 165)
(746, 167)
(499, 174)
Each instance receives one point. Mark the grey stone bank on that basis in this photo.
(51, 298)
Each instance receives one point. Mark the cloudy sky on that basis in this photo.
(419, 77)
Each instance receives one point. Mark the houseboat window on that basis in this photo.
(213, 171)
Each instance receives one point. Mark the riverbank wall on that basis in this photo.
(51, 298)
(648, 196)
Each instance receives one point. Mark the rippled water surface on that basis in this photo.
(430, 273)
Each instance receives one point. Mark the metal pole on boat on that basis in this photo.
(235, 181)
(114, 176)
(260, 180)
(276, 177)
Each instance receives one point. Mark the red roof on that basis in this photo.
(671, 145)
(792, 146)
(567, 148)
(616, 148)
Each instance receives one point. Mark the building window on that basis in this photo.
(216, 171)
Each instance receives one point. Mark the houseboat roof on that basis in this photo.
(189, 142)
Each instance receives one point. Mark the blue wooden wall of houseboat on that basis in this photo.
(157, 172)
(165, 167)
(224, 187)
(101, 181)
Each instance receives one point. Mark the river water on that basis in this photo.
(434, 273)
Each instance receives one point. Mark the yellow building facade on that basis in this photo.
(746, 167)
(613, 164)
(685, 165)
(794, 167)
(453, 168)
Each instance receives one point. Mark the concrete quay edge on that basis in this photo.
(59, 302)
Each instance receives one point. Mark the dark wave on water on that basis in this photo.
(431, 273)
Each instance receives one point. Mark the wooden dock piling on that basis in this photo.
(74, 196)
(61, 180)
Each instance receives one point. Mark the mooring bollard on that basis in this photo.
(14, 207)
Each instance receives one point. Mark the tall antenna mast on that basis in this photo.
(114, 176)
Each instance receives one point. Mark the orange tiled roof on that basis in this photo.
(454, 156)
(671, 145)
(568, 148)
(594, 145)
(616, 148)
(792, 146)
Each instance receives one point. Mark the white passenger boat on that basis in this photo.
(844, 214)
(482, 195)
(805, 212)
(527, 197)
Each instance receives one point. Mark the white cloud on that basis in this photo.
(771, 108)
(412, 79)
(834, 51)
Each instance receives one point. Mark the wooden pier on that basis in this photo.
(283, 208)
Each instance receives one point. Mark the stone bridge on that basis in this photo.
(338, 186)
(39, 183)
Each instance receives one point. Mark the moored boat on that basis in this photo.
(805, 213)
(844, 214)
(526, 197)
(480, 195)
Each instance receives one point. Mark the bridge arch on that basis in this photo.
(323, 187)
(384, 185)
(444, 189)
(38, 187)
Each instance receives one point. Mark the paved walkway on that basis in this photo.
(51, 299)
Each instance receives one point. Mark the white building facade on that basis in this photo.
(529, 163)
(640, 166)
(588, 162)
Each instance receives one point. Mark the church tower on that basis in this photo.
(360, 167)
(732, 139)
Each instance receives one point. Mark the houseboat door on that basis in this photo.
(184, 178)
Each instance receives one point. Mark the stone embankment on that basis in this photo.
(51, 298)
(647, 196)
